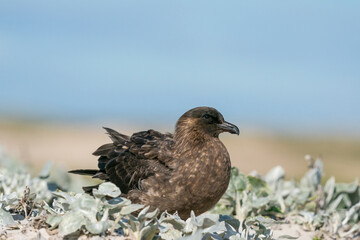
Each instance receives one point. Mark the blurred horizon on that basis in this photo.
(279, 66)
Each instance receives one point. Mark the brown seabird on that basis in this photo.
(184, 171)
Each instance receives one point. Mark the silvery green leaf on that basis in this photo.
(116, 203)
(86, 203)
(355, 228)
(335, 222)
(329, 189)
(310, 180)
(260, 202)
(280, 200)
(235, 223)
(105, 215)
(131, 208)
(218, 227)
(96, 227)
(334, 204)
(260, 219)
(134, 224)
(256, 183)
(201, 222)
(66, 196)
(48, 208)
(236, 237)
(275, 175)
(317, 221)
(153, 214)
(310, 206)
(5, 218)
(235, 172)
(191, 223)
(238, 180)
(230, 231)
(206, 220)
(224, 206)
(58, 207)
(71, 222)
(195, 235)
(143, 212)
(346, 201)
(45, 172)
(212, 236)
(309, 216)
(319, 165)
(168, 232)
(107, 189)
(287, 188)
(303, 196)
(9, 200)
(351, 212)
(88, 206)
(53, 220)
(148, 232)
(174, 220)
(347, 187)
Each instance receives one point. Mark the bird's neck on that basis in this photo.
(187, 138)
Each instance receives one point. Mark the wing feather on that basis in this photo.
(103, 149)
(129, 160)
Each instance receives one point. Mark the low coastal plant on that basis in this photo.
(249, 209)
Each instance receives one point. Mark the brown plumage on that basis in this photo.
(184, 171)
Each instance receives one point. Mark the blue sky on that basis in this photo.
(271, 64)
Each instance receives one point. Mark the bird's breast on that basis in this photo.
(203, 177)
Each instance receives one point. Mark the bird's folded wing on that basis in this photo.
(128, 160)
(152, 144)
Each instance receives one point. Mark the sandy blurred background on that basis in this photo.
(70, 146)
(287, 73)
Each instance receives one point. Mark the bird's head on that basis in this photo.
(204, 121)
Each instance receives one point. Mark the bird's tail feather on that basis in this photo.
(84, 171)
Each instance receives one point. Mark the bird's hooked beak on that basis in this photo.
(229, 127)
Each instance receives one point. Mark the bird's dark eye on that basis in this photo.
(206, 116)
